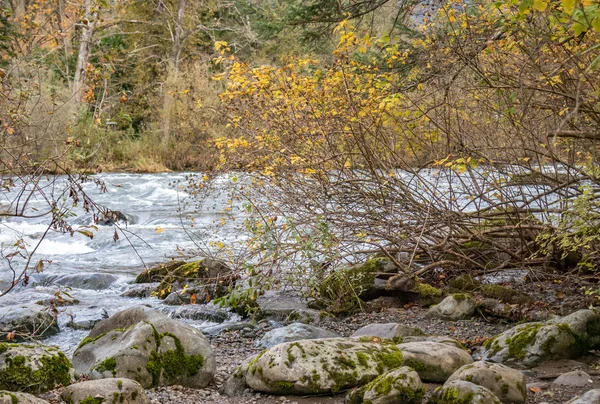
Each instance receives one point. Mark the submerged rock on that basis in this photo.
(293, 332)
(455, 307)
(144, 345)
(27, 320)
(33, 368)
(92, 281)
(508, 384)
(401, 385)
(460, 391)
(142, 290)
(105, 391)
(529, 344)
(433, 361)
(319, 366)
(392, 331)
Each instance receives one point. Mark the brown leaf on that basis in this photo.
(193, 299)
(535, 389)
(11, 335)
(39, 267)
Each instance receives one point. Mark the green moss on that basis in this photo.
(464, 282)
(459, 297)
(363, 359)
(107, 365)
(174, 364)
(341, 291)
(18, 376)
(283, 385)
(452, 395)
(92, 400)
(522, 339)
(120, 384)
(504, 390)
(505, 294)
(388, 358)
(13, 398)
(414, 364)
(426, 290)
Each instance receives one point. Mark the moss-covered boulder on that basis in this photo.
(392, 331)
(463, 392)
(33, 368)
(505, 294)
(506, 383)
(320, 366)
(206, 279)
(105, 391)
(529, 344)
(9, 397)
(26, 320)
(434, 362)
(454, 307)
(401, 385)
(146, 346)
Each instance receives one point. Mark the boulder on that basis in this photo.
(393, 331)
(441, 339)
(92, 281)
(508, 384)
(576, 378)
(279, 305)
(33, 368)
(460, 391)
(434, 362)
(141, 290)
(455, 307)
(27, 320)
(319, 366)
(144, 345)
(591, 397)
(10, 397)
(234, 386)
(293, 332)
(529, 344)
(397, 386)
(105, 391)
(202, 312)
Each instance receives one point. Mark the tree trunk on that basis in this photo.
(88, 25)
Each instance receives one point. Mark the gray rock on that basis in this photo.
(393, 331)
(401, 385)
(293, 332)
(202, 312)
(144, 345)
(106, 391)
(433, 361)
(441, 339)
(217, 329)
(576, 378)
(454, 307)
(33, 368)
(141, 290)
(27, 320)
(591, 397)
(10, 397)
(280, 305)
(527, 345)
(87, 324)
(234, 386)
(460, 391)
(93, 281)
(509, 385)
(319, 366)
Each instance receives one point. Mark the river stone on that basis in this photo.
(202, 312)
(106, 391)
(508, 384)
(293, 332)
(145, 345)
(27, 320)
(10, 397)
(591, 397)
(460, 391)
(434, 362)
(141, 290)
(454, 307)
(319, 366)
(441, 339)
(394, 331)
(529, 344)
(401, 385)
(33, 368)
(576, 378)
(92, 281)
(233, 326)
(235, 385)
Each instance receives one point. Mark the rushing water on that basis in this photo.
(160, 216)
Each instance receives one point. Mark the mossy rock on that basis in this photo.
(33, 368)
(463, 392)
(464, 283)
(12, 397)
(505, 294)
(433, 361)
(320, 366)
(105, 391)
(401, 385)
(158, 272)
(529, 344)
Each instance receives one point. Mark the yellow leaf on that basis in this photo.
(159, 230)
(540, 5)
